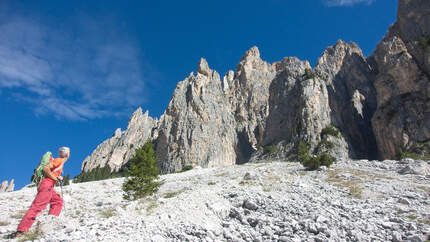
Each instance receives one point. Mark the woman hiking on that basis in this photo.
(46, 193)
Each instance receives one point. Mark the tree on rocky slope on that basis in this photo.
(313, 162)
(142, 173)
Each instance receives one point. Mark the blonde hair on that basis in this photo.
(63, 151)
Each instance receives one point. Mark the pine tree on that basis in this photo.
(142, 174)
(66, 180)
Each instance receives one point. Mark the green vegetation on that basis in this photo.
(424, 221)
(110, 212)
(400, 212)
(325, 143)
(97, 174)
(211, 183)
(173, 193)
(270, 149)
(309, 74)
(31, 235)
(66, 181)
(354, 187)
(4, 223)
(142, 174)
(19, 214)
(424, 43)
(152, 206)
(417, 151)
(411, 155)
(330, 130)
(313, 162)
(187, 168)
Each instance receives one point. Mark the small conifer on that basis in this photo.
(142, 174)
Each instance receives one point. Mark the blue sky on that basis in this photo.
(71, 72)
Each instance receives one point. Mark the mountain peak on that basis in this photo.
(203, 67)
(136, 117)
(252, 53)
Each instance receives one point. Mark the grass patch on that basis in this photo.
(4, 223)
(222, 174)
(273, 178)
(110, 212)
(173, 193)
(247, 183)
(151, 206)
(356, 173)
(77, 213)
(424, 188)
(19, 214)
(354, 187)
(400, 212)
(412, 217)
(301, 173)
(31, 235)
(355, 190)
(424, 221)
(211, 183)
(267, 189)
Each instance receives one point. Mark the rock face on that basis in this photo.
(402, 65)
(5, 186)
(352, 96)
(248, 94)
(198, 125)
(118, 149)
(380, 105)
(298, 109)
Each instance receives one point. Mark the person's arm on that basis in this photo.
(47, 171)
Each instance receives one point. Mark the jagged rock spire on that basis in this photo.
(203, 67)
(6, 186)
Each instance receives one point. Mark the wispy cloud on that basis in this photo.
(341, 3)
(80, 71)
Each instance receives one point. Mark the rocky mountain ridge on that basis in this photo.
(379, 104)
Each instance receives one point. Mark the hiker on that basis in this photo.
(46, 193)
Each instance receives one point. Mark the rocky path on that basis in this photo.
(272, 201)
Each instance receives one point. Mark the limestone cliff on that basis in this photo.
(379, 104)
(402, 65)
(352, 96)
(118, 149)
(198, 125)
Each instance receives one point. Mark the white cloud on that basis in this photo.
(89, 71)
(335, 3)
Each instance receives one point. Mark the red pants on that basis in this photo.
(45, 195)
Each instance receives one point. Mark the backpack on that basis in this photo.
(38, 173)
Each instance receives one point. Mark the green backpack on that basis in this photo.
(38, 174)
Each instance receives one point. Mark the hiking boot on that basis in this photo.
(14, 235)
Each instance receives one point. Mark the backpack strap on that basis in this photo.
(59, 167)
